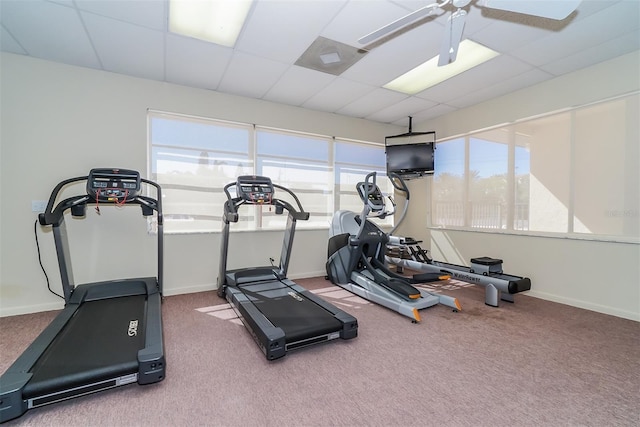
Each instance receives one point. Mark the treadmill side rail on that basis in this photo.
(269, 338)
(11, 403)
(349, 323)
(14, 380)
(151, 357)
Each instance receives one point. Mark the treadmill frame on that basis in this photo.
(150, 358)
(271, 339)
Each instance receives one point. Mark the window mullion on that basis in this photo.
(511, 177)
(571, 172)
(467, 206)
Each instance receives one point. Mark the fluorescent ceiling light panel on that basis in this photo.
(217, 21)
(428, 74)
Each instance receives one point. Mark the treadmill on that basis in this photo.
(279, 314)
(109, 333)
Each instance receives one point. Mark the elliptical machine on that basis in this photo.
(356, 257)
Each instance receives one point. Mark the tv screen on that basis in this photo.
(410, 158)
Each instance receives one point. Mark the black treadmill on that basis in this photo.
(279, 314)
(109, 333)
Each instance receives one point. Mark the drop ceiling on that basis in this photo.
(130, 37)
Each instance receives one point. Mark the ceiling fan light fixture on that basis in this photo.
(429, 74)
(214, 21)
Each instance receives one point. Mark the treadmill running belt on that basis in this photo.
(100, 341)
(298, 317)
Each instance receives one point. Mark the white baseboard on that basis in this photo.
(585, 305)
(321, 273)
(29, 309)
(206, 287)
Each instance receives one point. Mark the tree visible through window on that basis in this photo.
(573, 172)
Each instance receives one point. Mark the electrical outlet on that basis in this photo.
(38, 206)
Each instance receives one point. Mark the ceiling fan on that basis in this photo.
(552, 9)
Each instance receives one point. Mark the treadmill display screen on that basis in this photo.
(113, 185)
(255, 189)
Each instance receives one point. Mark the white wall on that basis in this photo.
(59, 121)
(600, 276)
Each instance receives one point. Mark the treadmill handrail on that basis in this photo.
(233, 203)
(53, 215)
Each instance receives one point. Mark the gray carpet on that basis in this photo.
(531, 363)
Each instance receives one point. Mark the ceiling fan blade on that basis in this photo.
(452, 36)
(553, 9)
(398, 23)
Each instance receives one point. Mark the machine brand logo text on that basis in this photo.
(133, 328)
(466, 278)
(295, 296)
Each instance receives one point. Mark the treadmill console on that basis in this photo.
(374, 199)
(113, 185)
(255, 189)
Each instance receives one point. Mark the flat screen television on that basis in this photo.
(411, 159)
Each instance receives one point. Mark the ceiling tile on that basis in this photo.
(358, 18)
(500, 88)
(195, 63)
(398, 110)
(150, 14)
(297, 85)
(337, 94)
(371, 102)
(48, 31)
(428, 114)
(9, 44)
(610, 23)
(594, 54)
(127, 48)
(240, 78)
(284, 33)
(131, 37)
(504, 36)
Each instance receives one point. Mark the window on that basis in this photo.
(300, 163)
(488, 195)
(605, 169)
(571, 173)
(193, 158)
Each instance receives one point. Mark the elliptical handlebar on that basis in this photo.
(398, 183)
(365, 194)
(374, 199)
